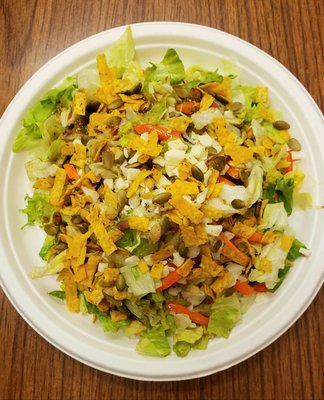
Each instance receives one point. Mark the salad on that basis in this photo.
(164, 193)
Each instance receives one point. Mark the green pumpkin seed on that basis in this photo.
(294, 144)
(238, 204)
(222, 99)
(120, 283)
(113, 121)
(183, 250)
(181, 91)
(76, 219)
(119, 157)
(197, 173)
(244, 176)
(60, 247)
(161, 198)
(107, 159)
(51, 230)
(122, 199)
(217, 163)
(165, 224)
(216, 245)
(236, 106)
(115, 104)
(281, 125)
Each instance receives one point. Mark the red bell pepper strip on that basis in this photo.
(169, 280)
(163, 133)
(195, 316)
(244, 288)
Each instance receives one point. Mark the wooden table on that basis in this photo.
(31, 32)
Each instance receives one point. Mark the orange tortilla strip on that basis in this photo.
(187, 209)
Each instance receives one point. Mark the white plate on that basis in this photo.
(75, 335)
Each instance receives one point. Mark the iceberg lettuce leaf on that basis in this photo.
(122, 52)
(32, 130)
(225, 313)
(154, 343)
(170, 69)
(37, 208)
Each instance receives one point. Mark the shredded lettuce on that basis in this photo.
(47, 245)
(274, 216)
(138, 283)
(108, 325)
(37, 208)
(122, 52)
(281, 191)
(294, 251)
(170, 69)
(59, 294)
(276, 256)
(32, 131)
(225, 313)
(154, 343)
(181, 348)
(196, 75)
(53, 267)
(145, 248)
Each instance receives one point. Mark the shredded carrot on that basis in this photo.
(244, 288)
(260, 287)
(169, 280)
(232, 246)
(187, 107)
(222, 179)
(233, 172)
(256, 237)
(195, 316)
(71, 172)
(291, 162)
(163, 133)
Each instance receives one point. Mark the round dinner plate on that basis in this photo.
(75, 334)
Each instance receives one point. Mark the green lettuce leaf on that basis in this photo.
(59, 294)
(37, 208)
(281, 276)
(32, 130)
(281, 191)
(138, 283)
(181, 348)
(274, 216)
(170, 69)
(122, 52)
(53, 267)
(130, 240)
(196, 75)
(145, 248)
(225, 313)
(188, 335)
(294, 251)
(46, 247)
(108, 325)
(154, 343)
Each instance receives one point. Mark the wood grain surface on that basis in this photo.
(32, 32)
